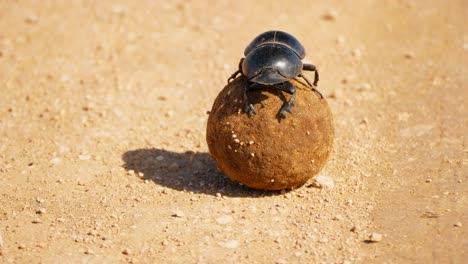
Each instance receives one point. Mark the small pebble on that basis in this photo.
(225, 219)
(169, 114)
(88, 251)
(126, 251)
(348, 79)
(430, 214)
(403, 116)
(40, 200)
(41, 245)
(119, 10)
(159, 158)
(178, 213)
(340, 39)
(21, 246)
(458, 224)
(356, 53)
(375, 237)
(428, 180)
(55, 161)
(230, 244)
(323, 240)
(330, 15)
(84, 157)
(409, 55)
(364, 87)
(322, 181)
(31, 19)
(93, 233)
(41, 211)
(37, 221)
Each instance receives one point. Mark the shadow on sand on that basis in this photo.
(188, 171)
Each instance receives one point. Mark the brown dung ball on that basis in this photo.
(264, 151)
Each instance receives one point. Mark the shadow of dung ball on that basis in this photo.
(263, 151)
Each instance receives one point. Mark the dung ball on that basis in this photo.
(265, 151)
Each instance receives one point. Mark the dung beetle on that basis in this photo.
(271, 60)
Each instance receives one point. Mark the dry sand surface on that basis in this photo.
(103, 155)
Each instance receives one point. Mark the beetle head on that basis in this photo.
(269, 76)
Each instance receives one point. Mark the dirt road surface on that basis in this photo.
(103, 155)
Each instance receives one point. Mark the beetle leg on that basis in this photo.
(233, 76)
(312, 86)
(249, 108)
(311, 67)
(239, 71)
(287, 106)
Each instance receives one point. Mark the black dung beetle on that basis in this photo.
(271, 59)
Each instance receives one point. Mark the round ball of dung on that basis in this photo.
(265, 151)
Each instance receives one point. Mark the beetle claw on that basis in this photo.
(234, 75)
(282, 114)
(250, 110)
(286, 108)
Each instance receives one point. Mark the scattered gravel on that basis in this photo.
(113, 213)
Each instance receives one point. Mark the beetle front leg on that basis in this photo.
(311, 67)
(311, 86)
(239, 71)
(287, 106)
(249, 108)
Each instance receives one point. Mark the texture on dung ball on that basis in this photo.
(265, 152)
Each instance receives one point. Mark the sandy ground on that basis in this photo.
(103, 155)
